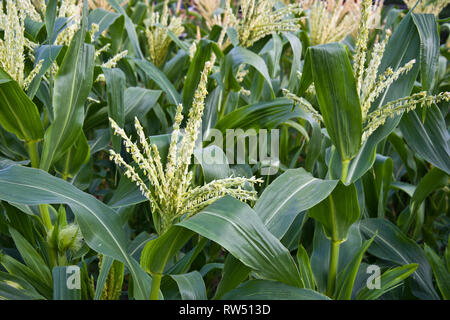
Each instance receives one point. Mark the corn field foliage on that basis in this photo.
(108, 109)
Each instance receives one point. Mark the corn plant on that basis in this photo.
(224, 150)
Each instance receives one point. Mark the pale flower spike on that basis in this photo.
(170, 190)
(259, 19)
(427, 6)
(369, 87)
(333, 20)
(157, 32)
(13, 44)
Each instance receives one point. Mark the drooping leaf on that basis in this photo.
(191, 285)
(99, 224)
(291, 193)
(337, 95)
(392, 245)
(18, 114)
(389, 280)
(236, 227)
(337, 212)
(265, 290)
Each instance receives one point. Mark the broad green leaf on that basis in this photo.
(376, 183)
(18, 114)
(304, 267)
(338, 98)
(103, 18)
(297, 48)
(100, 225)
(107, 262)
(50, 19)
(157, 252)
(49, 54)
(441, 274)
(269, 290)
(429, 138)
(191, 285)
(139, 101)
(429, 48)
(15, 288)
(31, 257)
(238, 56)
(337, 212)
(346, 279)
(73, 83)
(161, 80)
(320, 257)
(214, 163)
(202, 55)
(234, 272)
(183, 265)
(17, 269)
(72, 161)
(126, 194)
(115, 90)
(294, 191)
(267, 115)
(389, 280)
(236, 227)
(433, 180)
(129, 26)
(392, 245)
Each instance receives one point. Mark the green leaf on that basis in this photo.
(31, 257)
(202, 55)
(392, 245)
(337, 212)
(402, 47)
(157, 252)
(115, 90)
(234, 272)
(346, 278)
(15, 288)
(238, 56)
(338, 98)
(107, 263)
(433, 180)
(429, 48)
(320, 257)
(267, 115)
(236, 227)
(305, 268)
(269, 290)
(376, 184)
(297, 48)
(191, 285)
(161, 80)
(72, 86)
(100, 225)
(77, 155)
(441, 274)
(428, 138)
(291, 193)
(214, 163)
(129, 26)
(389, 280)
(18, 114)
(139, 101)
